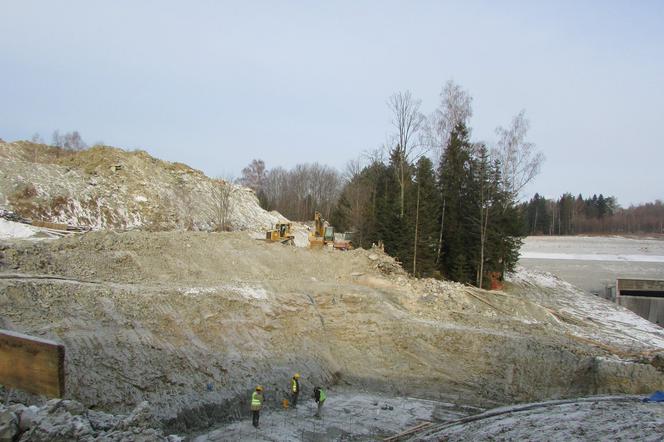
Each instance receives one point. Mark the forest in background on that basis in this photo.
(569, 215)
(441, 203)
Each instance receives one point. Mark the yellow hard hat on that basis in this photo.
(259, 388)
(297, 376)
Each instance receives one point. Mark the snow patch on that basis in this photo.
(593, 257)
(11, 229)
(248, 292)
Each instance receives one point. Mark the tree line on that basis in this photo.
(569, 215)
(69, 140)
(444, 205)
(295, 193)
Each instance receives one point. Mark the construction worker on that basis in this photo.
(319, 397)
(256, 405)
(295, 389)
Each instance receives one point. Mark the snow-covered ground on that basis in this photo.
(594, 263)
(10, 229)
(590, 317)
(588, 419)
(346, 415)
(14, 230)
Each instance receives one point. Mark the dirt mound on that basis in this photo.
(106, 187)
(191, 321)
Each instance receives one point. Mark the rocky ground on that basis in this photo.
(192, 321)
(65, 420)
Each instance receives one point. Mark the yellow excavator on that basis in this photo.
(323, 235)
(282, 233)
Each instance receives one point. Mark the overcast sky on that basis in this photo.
(214, 84)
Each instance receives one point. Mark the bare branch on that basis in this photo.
(519, 159)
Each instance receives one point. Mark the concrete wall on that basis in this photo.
(645, 297)
(651, 309)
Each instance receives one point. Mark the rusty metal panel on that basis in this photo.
(32, 364)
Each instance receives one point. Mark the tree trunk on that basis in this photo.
(417, 219)
(440, 237)
(483, 229)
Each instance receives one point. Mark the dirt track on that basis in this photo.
(192, 321)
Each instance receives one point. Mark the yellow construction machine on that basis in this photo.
(282, 233)
(323, 235)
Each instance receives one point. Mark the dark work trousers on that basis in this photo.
(294, 398)
(255, 416)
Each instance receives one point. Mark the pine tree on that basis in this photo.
(453, 183)
(422, 218)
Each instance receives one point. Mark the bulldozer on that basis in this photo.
(282, 233)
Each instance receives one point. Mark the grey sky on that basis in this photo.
(215, 84)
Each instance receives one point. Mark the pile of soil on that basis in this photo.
(108, 188)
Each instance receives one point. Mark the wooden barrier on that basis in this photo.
(32, 364)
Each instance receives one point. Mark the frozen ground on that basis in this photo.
(594, 263)
(346, 415)
(623, 418)
(10, 229)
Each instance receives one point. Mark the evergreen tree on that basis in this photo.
(453, 182)
(422, 218)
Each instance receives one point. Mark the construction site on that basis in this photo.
(168, 326)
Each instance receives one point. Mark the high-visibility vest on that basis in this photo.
(322, 395)
(294, 385)
(256, 401)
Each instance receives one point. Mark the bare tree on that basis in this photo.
(408, 121)
(253, 176)
(37, 139)
(298, 193)
(74, 141)
(70, 140)
(455, 107)
(56, 139)
(520, 161)
(222, 203)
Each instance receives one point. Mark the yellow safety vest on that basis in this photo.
(294, 385)
(256, 401)
(322, 395)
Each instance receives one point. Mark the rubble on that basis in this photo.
(67, 420)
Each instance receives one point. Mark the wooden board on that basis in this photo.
(32, 364)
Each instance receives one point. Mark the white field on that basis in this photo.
(593, 263)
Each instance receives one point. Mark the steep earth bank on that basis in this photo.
(191, 321)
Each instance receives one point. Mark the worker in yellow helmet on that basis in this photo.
(256, 405)
(295, 389)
